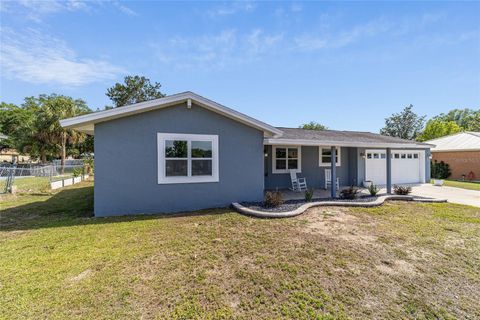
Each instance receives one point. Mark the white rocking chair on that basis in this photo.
(328, 179)
(298, 184)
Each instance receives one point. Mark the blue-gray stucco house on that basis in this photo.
(184, 152)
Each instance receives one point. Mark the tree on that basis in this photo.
(135, 89)
(474, 122)
(465, 118)
(34, 127)
(312, 125)
(57, 107)
(437, 128)
(406, 124)
(18, 123)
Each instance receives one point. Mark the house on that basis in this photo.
(196, 153)
(11, 155)
(461, 151)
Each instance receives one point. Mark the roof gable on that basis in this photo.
(86, 123)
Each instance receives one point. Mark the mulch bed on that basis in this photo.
(290, 205)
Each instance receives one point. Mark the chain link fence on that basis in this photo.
(32, 178)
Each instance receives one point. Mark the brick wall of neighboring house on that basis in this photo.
(461, 162)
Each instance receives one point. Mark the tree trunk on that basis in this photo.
(64, 151)
(43, 156)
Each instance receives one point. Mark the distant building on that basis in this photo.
(462, 153)
(11, 155)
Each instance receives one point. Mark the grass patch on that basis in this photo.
(400, 260)
(32, 184)
(463, 184)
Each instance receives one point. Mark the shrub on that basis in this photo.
(308, 195)
(349, 193)
(273, 199)
(77, 172)
(402, 190)
(373, 189)
(440, 170)
(88, 162)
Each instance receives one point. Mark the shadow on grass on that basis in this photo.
(70, 207)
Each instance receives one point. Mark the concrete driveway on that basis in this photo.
(453, 195)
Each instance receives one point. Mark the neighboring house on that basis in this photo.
(461, 151)
(196, 153)
(11, 155)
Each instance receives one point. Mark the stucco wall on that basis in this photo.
(314, 174)
(126, 163)
(461, 162)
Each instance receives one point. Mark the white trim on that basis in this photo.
(286, 170)
(329, 164)
(163, 179)
(86, 122)
(296, 142)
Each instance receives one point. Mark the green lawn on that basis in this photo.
(463, 184)
(32, 184)
(401, 260)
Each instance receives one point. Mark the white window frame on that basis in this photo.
(163, 179)
(274, 159)
(328, 164)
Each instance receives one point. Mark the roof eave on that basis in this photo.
(303, 142)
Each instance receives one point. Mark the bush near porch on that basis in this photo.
(400, 260)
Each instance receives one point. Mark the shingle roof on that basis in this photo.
(462, 141)
(343, 137)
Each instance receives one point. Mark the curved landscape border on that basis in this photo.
(287, 214)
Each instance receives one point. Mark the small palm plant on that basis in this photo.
(373, 189)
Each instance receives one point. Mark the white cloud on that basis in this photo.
(226, 48)
(341, 39)
(259, 43)
(36, 10)
(232, 8)
(36, 58)
(296, 7)
(124, 9)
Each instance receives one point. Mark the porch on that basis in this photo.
(350, 165)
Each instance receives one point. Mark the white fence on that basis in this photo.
(28, 175)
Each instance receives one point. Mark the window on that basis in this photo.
(187, 158)
(397, 156)
(325, 156)
(415, 155)
(383, 155)
(286, 159)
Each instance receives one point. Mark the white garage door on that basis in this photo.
(406, 166)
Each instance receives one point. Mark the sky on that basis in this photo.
(347, 65)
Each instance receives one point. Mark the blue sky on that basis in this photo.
(347, 65)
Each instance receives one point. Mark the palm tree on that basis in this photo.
(54, 109)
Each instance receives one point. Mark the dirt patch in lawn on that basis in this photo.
(336, 223)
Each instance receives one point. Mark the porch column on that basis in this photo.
(333, 185)
(389, 171)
